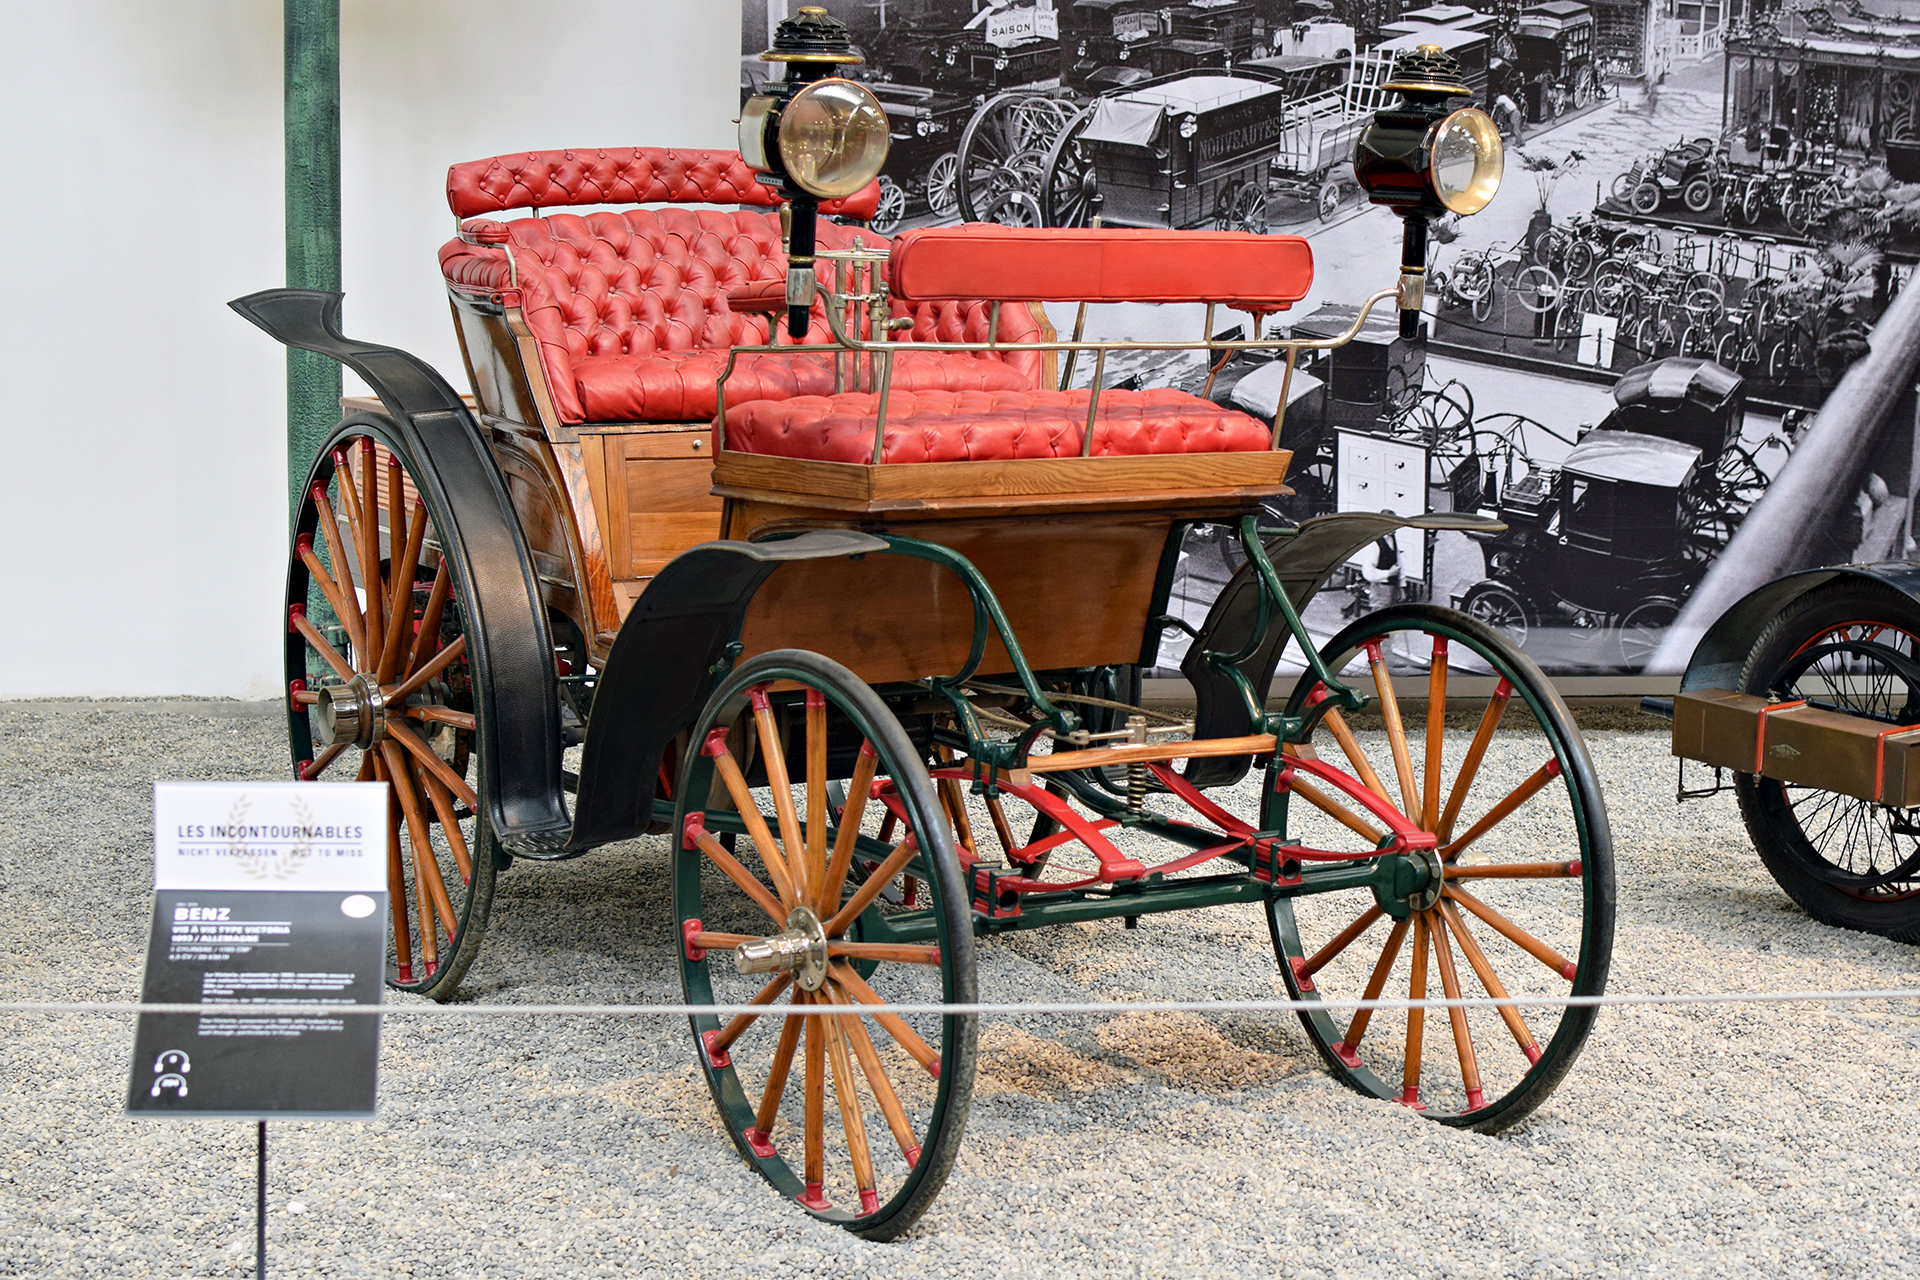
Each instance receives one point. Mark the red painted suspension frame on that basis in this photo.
(1117, 867)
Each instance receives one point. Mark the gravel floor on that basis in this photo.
(1698, 1141)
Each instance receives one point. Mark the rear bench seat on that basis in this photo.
(1259, 274)
(629, 308)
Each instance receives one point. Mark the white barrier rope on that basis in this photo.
(1103, 1008)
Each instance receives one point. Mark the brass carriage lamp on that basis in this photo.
(1423, 159)
(819, 135)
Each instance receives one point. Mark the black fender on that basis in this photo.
(674, 647)
(1723, 650)
(509, 642)
(1304, 559)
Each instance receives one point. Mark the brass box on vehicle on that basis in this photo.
(1810, 747)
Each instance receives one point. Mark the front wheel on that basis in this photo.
(1524, 902)
(1847, 862)
(1646, 198)
(381, 689)
(778, 902)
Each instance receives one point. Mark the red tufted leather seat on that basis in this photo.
(937, 426)
(630, 308)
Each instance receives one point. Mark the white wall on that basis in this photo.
(143, 496)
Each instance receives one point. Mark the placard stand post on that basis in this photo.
(270, 913)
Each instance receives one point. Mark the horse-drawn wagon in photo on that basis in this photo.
(1553, 58)
(799, 541)
(923, 162)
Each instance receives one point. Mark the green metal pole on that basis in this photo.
(313, 214)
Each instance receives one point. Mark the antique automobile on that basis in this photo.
(923, 162)
(1553, 56)
(797, 541)
(1616, 537)
(1688, 174)
(1183, 152)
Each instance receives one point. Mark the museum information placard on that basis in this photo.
(270, 898)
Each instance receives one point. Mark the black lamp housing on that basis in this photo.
(1399, 156)
(813, 45)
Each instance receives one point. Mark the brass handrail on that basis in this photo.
(1292, 346)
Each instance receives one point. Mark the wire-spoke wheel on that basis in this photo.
(778, 895)
(380, 689)
(892, 210)
(1850, 646)
(1524, 904)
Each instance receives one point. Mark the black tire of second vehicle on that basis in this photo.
(1783, 847)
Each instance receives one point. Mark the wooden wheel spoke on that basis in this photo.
(1436, 734)
(1350, 745)
(905, 1036)
(370, 763)
(720, 941)
(851, 1119)
(816, 857)
(1500, 812)
(865, 765)
(442, 803)
(756, 822)
(343, 568)
(321, 761)
(777, 1072)
(427, 638)
(1377, 983)
(427, 671)
(882, 876)
(1396, 731)
(428, 886)
(440, 769)
(1416, 1017)
(367, 533)
(445, 715)
(885, 952)
(744, 879)
(1340, 942)
(1462, 1035)
(725, 1037)
(816, 1106)
(1002, 829)
(1513, 933)
(877, 1080)
(335, 597)
(1476, 751)
(773, 758)
(1513, 871)
(318, 643)
(400, 603)
(1490, 981)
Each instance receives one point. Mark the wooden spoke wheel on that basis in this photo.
(1071, 195)
(380, 689)
(783, 900)
(1847, 862)
(1004, 149)
(943, 196)
(1524, 906)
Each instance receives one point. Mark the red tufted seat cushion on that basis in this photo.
(973, 426)
(630, 312)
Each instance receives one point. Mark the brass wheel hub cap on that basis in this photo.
(352, 714)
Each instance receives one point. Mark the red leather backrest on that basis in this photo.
(980, 260)
(621, 175)
(640, 281)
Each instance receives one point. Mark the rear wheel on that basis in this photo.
(1496, 605)
(1846, 861)
(1525, 903)
(1697, 195)
(380, 689)
(892, 210)
(778, 898)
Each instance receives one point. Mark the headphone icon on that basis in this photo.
(170, 1079)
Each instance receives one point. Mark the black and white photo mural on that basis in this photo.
(1708, 207)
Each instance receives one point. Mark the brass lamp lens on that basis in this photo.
(833, 138)
(1467, 160)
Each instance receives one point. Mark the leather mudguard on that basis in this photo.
(670, 653)
(508, 638)
(1723, 649)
